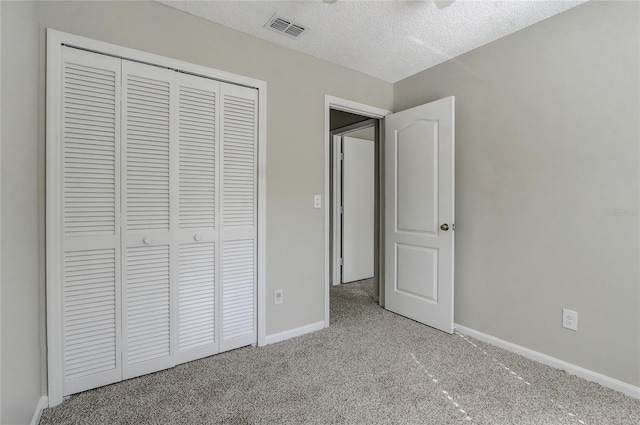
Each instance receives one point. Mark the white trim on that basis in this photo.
(292, 333)
(55, 41)
(0, 199)
(337, 196)
(42, 404)
(262, 213)
(331, 102)
(581, 372)
(53, 237)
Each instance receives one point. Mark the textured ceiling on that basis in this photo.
(390, 40)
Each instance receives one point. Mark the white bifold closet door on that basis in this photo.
(239, 216)
(147, 220)
(198, 136)
(159, 187)
(90, 227)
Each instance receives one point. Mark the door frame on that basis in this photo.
(332, 102)
(55, 42)
(336, 186)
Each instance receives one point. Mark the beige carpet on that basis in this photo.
(369, 367)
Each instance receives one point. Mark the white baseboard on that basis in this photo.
(581, 372)
(43, 403)
(292, 333)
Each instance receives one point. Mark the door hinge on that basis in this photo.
(341, 262)
(453, 227)
(341, 156)
(341, 210)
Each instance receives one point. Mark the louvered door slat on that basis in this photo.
(197, 150)
(95, 191)
(147, 139)
(94, 303)
(90, 182)
(198, 133)
(148, 304)
(239, 159)
(197, 296)
(238, 234)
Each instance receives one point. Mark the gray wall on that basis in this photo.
(547, 184)
(21, 193)
(295, 147)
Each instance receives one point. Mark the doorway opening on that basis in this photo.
(353, 193)
(354, 215)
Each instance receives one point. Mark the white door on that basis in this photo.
(419, 190)
(358, 202)
(89, 253)
(198, 106)
(238, 217)
(147, 224)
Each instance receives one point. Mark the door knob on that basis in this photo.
(197, 237)
(444, 227)
(147, 240)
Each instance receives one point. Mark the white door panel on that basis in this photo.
(147, 220)
(417, 177)
(198, 106)
(419, 183)
(358, 201)
(238, 212)
(90, 246)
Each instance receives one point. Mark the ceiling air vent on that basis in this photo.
(285, 26)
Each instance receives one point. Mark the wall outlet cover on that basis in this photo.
(570, 319)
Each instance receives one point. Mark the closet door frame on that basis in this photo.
(53, 206)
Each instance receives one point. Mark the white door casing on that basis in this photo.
(358, 202)
(336, 227)
(332, 102)
(419, 213)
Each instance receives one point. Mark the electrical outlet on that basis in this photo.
(278, 296)
(317, 201)
(569, 319)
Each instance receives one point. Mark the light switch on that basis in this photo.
(317, 201)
